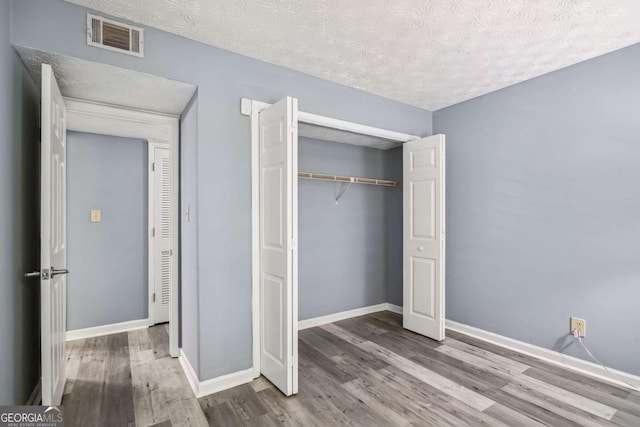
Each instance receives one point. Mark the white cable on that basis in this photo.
(600, 363)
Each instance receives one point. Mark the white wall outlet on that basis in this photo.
(579, 324)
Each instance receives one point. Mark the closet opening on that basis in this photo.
(342, 214)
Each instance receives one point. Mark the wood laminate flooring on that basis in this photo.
(365, 371)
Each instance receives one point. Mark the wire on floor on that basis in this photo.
(576, 334)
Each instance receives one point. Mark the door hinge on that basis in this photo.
(294, 244)
(153, 232)
(153, 166)
(154, 297)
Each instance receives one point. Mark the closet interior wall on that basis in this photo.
(350, 253)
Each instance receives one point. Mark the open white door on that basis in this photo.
(278, 227)
(424, 236)
(53, 238)
(160, 184)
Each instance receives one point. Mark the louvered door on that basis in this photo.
(161, 233)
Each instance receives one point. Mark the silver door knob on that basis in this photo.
(420, 248)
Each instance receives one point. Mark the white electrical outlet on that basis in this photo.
(579, 324)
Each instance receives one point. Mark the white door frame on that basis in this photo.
(84, 116)
(252, 108)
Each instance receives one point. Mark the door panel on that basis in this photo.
(274, 296)
(423, 215)
(424, 237)
(422, 299)
(278, 222)
(53, 247)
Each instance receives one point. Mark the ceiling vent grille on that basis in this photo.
(116, 36)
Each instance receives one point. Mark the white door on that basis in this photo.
(424, 236)
(53, 243)
(161, 231)
(278, 228)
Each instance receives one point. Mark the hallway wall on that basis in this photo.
(189, 296)
(108, 261)
(19, 224)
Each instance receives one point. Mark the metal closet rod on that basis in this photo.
(348, 179)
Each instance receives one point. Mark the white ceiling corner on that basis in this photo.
(97, 82)
(430, 54)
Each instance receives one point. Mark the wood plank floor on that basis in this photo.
(365, 371)
(128, 379)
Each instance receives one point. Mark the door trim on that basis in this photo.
(92, 117)
(250, 107)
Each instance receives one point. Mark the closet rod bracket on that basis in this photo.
(344, 189)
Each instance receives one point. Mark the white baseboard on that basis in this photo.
(214, 385)
(224, 382)
(336, 317)
(189, 372)
(394, 308)
(343, 315)
(114, 328)
(554, 357)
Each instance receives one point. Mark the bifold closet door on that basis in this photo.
(424, 236)
(278, 227)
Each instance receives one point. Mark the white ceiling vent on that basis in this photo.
(116, 36)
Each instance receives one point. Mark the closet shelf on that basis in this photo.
(348, 179)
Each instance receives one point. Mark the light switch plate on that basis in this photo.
(96, 216)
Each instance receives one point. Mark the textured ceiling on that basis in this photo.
(425, 53)
(97, 82)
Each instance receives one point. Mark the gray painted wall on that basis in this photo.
(342, 247)
(223, 151)
(190, 328)
(543, 209)
(108, 262)
(393, 224)
(19, 226)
